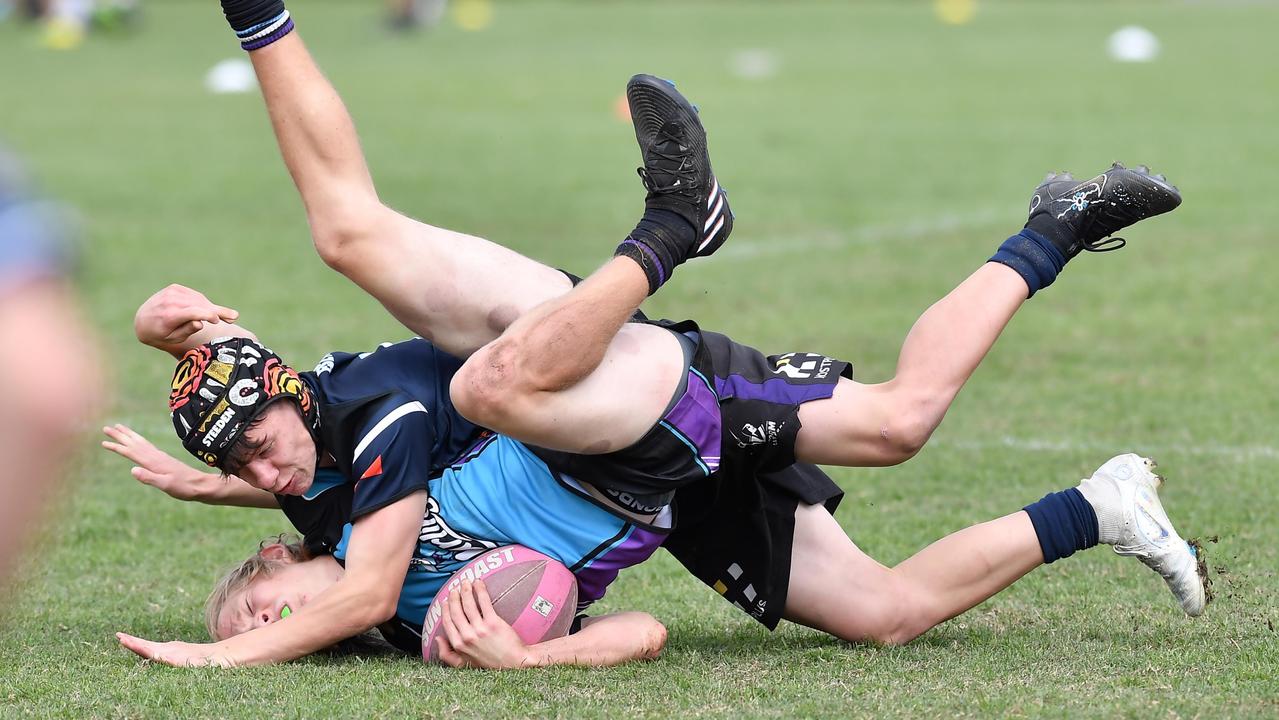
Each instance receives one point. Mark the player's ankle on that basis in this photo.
(257, 23)
(1064, 523)
(1105, 499)
(655, 244)
(1033, 256)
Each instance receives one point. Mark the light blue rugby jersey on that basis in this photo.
(499, 493)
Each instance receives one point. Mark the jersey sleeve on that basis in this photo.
(319, 518)
(393, 457)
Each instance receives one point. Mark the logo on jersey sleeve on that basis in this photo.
(375, 469)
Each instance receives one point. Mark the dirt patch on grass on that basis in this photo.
(1201, 558)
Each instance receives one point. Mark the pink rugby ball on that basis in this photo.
(535, 593)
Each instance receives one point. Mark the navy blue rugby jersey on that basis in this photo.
(386, 418)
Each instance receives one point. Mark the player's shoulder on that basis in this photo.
(410, 366)
(387, 353)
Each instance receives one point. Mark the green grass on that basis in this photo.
(885, 160)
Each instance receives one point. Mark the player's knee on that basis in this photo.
(334, 243)
(896, 618)
(484, 390)
(904, 437)
(62, 391)
(909, 425)
(339, 230)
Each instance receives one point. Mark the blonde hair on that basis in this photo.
(242, 576)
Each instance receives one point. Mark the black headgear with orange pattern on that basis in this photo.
(219, 387)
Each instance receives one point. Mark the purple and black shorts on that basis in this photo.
(724, 453)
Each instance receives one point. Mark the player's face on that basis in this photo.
(284, 462)
(272, 597)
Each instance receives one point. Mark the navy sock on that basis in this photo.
(1064, 522)
(1033, 256)
(658, 243)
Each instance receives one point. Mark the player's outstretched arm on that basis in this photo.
(476, 636)
(456, 290)
(378, 555)
(160, 470)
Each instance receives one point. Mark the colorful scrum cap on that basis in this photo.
(219, 387)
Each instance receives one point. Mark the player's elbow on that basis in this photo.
(653, 638)
(378, 609)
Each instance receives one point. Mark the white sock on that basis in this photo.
(1101, 493)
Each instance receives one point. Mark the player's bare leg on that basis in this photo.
(860, 424)
(837, 588)
(571, 374)
(457, 290)
(888, 423)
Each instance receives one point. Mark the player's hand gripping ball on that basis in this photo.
(535, 594)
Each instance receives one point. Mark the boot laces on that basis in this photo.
(677, 165)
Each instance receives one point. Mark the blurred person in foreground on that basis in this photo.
(48, 367)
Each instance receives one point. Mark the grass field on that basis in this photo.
(887, 157)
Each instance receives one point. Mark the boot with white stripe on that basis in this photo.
(677, 174)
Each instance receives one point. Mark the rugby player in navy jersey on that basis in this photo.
(50, 382)
(377, 434)
(646, 411)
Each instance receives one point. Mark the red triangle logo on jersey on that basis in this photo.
(374, 469)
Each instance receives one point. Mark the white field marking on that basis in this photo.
(867, 235)
(1238, 453)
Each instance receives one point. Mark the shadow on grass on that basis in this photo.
(754, 641)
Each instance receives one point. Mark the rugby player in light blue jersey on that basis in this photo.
(383, 435)
(647, 412)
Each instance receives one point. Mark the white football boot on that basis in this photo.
(1125, 495)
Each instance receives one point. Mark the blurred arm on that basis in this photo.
(49, 387)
